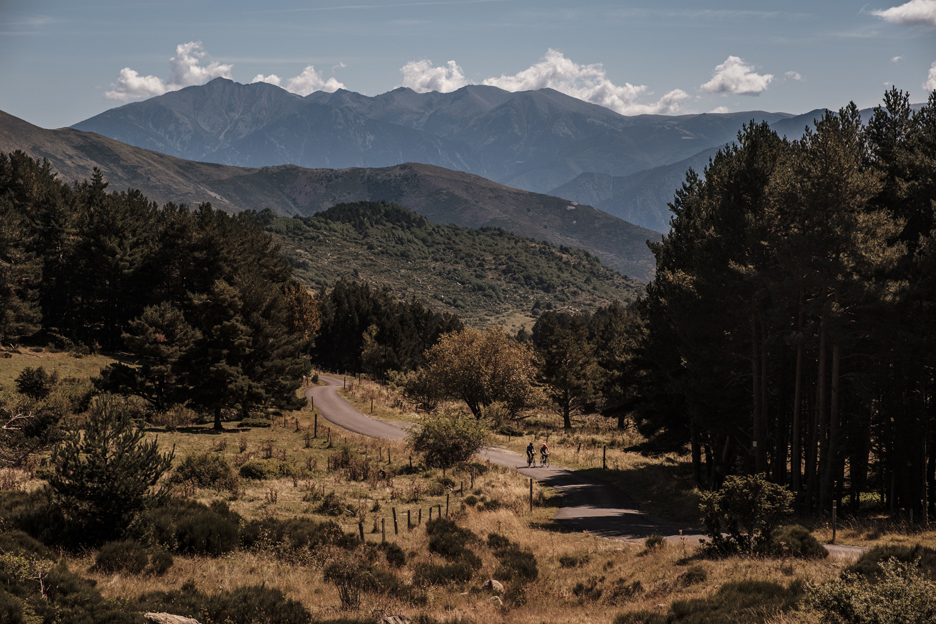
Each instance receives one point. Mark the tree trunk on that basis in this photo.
(755, 397)
(796, 436)
(819, 434)
(827, 489)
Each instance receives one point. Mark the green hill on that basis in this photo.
(483, 275)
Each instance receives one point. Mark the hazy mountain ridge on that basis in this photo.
(532, 140)
(441, 195)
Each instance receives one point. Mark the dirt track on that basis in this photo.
(587, 504)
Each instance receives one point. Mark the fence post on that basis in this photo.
(360, 527)
(396, 530)
(383, 530)
(531, 495)
(315, 434)
(834, 517)
(604, 458)
(446, 505)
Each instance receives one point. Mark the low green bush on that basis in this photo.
(694, 575)
(869, 564)
(516, 564)
(243, 605)
(124, 556)
(898, 593)
(190, 527)
(207, 470)
(654, 542)
(796, 541)
(394, 555)
(256, 423)
(572, 561)
(445, 574)
(264, 469)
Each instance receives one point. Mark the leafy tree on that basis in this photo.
(35, 382)
(483, 367)
(748, 508)
(567, 364)
(448, 438)
(103, 477)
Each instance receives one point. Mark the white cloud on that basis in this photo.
(310, 80)
(589, 83)
(272, 79)
(912, 13)
(185, 70)
(422, 77)
(735, 77)
(720, 109)
(896, 59)
(930, 84)
(792, 75)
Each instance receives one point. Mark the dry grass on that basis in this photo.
(65, 364)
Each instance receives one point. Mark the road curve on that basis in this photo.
(588, 505)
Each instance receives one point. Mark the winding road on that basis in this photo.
(587, 504)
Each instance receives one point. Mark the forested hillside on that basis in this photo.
(790, 326)
(484, 276)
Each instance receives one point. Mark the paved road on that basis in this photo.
(587, 504)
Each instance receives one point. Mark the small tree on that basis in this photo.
(103, 479)
(748, 509)
(35, 383)
(448, 438)
(23, 434)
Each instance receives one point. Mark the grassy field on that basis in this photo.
(581, 579)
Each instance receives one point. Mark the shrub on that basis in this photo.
(743, 602)
(899, 594)
(331, 505)
(256, 423)
(243, 605)
(869, 564)
(294, 534)
(263, 469)
(35, 383)
(459, 572)
(655, 541)
(207, 470)
(695, 574)
(394, 554)
(796, 541)
(497, 541)
(190, 527)
(517, 565)
(448, 438)
(124, 556)
(102, 479)
(748, 509)
(572, 561)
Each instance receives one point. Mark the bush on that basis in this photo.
(796, 541)
(103, 478)
(655, 541)
(35, 383)
(459, 572)
(394, 554)
(124, 556)
(190, 527)
(516, 565)
(695, 574)
(448, 438)
(263, 469)
(900, 594)
(748, 509)
(207, 470)
(256, 423)
(331, 505)
(869, 564)
(572, 561)
(294, 535)
(243, 605)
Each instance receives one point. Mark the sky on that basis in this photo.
(63, 61)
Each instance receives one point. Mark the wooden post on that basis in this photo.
(419, 520)
(472, 478)
(315, 435)
(388, 457)
(409, 521)
(383, 530)
(461, 490)
(396, 529)
(430, 513)
(372, 405)
(834, 514)
(411, 463)
(531, 495)
(447, 505)
(604, 458)
(360, 528)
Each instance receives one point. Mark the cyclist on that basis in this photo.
(531, 455)
(544, 455)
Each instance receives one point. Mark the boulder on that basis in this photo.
(494, 586)
(168, 618)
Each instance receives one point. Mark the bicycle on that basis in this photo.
(531, 460)
(544, 459)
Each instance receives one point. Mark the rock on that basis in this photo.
(494, 586)
(168, 618)
(395, 619)
(496, 599)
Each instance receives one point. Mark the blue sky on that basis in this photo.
(64, 61)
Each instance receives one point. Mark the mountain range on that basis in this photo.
(444, 196)
(541, 141)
